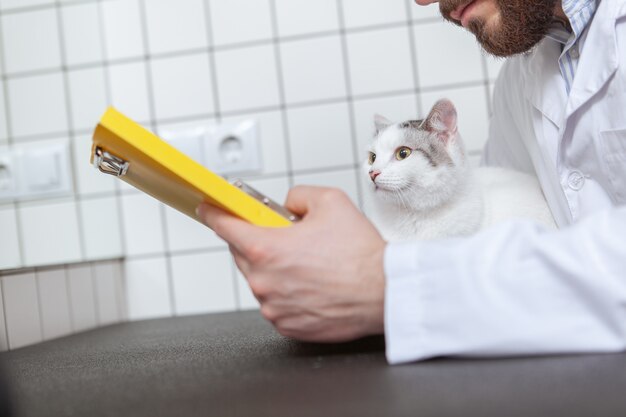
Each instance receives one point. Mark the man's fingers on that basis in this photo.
(233, 230)
(302, 198)
(242, 264)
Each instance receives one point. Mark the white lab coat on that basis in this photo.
(516, 289)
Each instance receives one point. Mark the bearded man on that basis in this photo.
(511, 290)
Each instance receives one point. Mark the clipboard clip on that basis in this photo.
(109, 164)
(265, 200)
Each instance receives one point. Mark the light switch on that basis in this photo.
(43, 173)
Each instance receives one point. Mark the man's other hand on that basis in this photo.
(320, 280)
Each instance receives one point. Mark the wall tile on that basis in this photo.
(379, 61)
(247, 301)
(88, 97)
(203, 283)
(298, 17)
(274, 188)
(142, 225)
(345, 180)
(9, 247)
(430, 12)
(320, 136)
(50, 233)
(123, 29)
(82, 297)
(182, 86)
(462, 63)
(54, 303)
(88, 179)
(185, 233)
(359, 13)
(129, 90)
(253, 19)
(81, 33)
(471, 105)
(22, 310)
(240, 88)
(110, 300)
(175, 25)
(306, 82)
(147, 289)
(272, 139)
(101, 229)
(38, 105)
(26, 49)
(17, 4)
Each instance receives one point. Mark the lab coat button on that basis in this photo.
(574, 53)
(576, 180)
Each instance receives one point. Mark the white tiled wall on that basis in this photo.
(312, 73)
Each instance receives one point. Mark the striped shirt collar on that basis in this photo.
(579, 13)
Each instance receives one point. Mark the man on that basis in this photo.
(511, 290)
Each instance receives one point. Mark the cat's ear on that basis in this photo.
(442, 120)
(381, 123)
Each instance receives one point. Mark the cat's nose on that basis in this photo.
(374, 174)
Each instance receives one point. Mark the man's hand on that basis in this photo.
(320, 280)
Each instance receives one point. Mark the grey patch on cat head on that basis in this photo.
(412, 124)
(427, 143)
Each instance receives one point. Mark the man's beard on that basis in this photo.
(522, 24)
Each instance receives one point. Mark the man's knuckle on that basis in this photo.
(269, 313)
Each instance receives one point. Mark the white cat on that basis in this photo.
(424, 188)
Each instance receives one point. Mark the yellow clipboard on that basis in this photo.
(126, 150)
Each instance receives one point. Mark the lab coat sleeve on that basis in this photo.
(514, 289)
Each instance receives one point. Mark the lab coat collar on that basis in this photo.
(597, 65)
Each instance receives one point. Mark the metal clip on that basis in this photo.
(110, 164)
(265, 200)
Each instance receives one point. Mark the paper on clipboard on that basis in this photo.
(125, 149)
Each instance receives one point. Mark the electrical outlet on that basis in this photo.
(233, 149)
(228, 149)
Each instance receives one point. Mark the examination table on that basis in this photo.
(235, 364)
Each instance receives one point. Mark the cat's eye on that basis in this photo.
(403, 153)
(371, 158)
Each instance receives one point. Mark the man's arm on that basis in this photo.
(319, 280)
(510, 290)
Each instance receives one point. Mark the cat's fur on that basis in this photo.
(433, 193)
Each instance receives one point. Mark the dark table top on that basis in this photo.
(236, 365)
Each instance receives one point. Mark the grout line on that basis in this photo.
(216, 104)
(216, 48)
(9, 129)
(4, 313)
(70, 304)
(349, 96)
(413, 51)
(38, 291)
(260, 177)
(267, 109)
(94, 290)
(109, 100)
(71, 134)
(212, 61)
(153, 124)
(281, 91)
